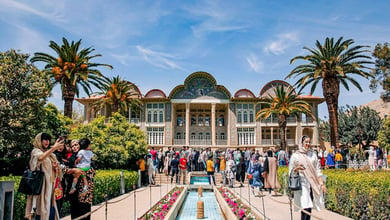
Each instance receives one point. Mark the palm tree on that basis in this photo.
(118, 93)
(71, 67)
(283, 102)
(333, 63)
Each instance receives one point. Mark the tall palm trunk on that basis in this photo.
(331, 90)
(68, 93)
(282, 131)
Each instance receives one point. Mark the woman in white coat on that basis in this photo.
(306, 163)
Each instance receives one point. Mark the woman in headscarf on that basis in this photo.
(42, 157)
(255, 169)
(270, 173)
(306, 164)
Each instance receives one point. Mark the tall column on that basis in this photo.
(188, 122)
(213, 124)
(272, 136)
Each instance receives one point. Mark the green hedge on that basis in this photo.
(355, 193)
(107, 182)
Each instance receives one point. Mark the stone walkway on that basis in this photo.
(122, 207)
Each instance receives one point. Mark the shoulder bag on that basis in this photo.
(31, 182)
(294, 182)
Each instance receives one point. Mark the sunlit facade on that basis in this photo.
(201, 113)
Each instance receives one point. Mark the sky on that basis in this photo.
(157, 44)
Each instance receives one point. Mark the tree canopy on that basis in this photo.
(72, 68)
(116, 144)
(332, 63)
(382, 70)
(356, 125)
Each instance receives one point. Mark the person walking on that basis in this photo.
(183, 169)
(210, 169)
(174, 168)
(230, 169)
(270, 173)
(305, 163)
(240, 175)
(255, 169)
(222, 167)
(151, 168)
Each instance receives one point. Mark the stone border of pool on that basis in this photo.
(226, 210)
(174, 210)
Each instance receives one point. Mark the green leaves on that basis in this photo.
(116, 144)
(23, 93)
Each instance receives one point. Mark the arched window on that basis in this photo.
(161, 117)
(251, 116)
(193, 119)
(239, 115)
(200, 136)
(179, 120)
(149, 117)
(155, 116)
(221, 120)
(245, 117)
(207, 120)
(200, 120)
(178, 135)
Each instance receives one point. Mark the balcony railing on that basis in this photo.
(290, 142)
(206, 142)
(308, 120)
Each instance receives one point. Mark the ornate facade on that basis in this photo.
(201, 113)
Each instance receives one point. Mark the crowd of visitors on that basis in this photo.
(237, 165)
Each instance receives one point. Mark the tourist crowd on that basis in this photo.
(238, 164)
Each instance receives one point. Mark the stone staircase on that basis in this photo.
(162, 179)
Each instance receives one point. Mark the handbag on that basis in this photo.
(250, 176)
(294, 182)
(58, 190)
(31, 182)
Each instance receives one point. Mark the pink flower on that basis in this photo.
(241, 213)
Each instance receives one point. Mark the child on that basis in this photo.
(83, 162)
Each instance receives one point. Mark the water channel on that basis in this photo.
(189, 210)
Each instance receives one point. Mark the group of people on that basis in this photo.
(236, 165)
(68, 175)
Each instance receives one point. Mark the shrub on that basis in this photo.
(357, 194)
(107, 182)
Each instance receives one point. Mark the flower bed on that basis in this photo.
(236, 205)
(161, 208)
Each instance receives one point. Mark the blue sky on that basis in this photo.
(157, 44)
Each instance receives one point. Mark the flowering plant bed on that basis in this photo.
(161, 208)
(238, 208)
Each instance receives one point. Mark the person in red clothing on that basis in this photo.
(183, 169)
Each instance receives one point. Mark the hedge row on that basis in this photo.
(107, 183)
(354, 193)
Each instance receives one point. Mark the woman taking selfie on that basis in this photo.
(306, 164)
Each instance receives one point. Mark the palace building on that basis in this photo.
(200, 113)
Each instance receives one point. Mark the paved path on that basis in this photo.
(276, 207)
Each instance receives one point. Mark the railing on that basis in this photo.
(179, 141)
(308, 120)
(221, 142)
(200, 142)
(266, 142)
(290, 142)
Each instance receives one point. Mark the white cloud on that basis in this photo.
(212, 17)
(16, 7)
(254, 63)
(159, 59)
(282, 43)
